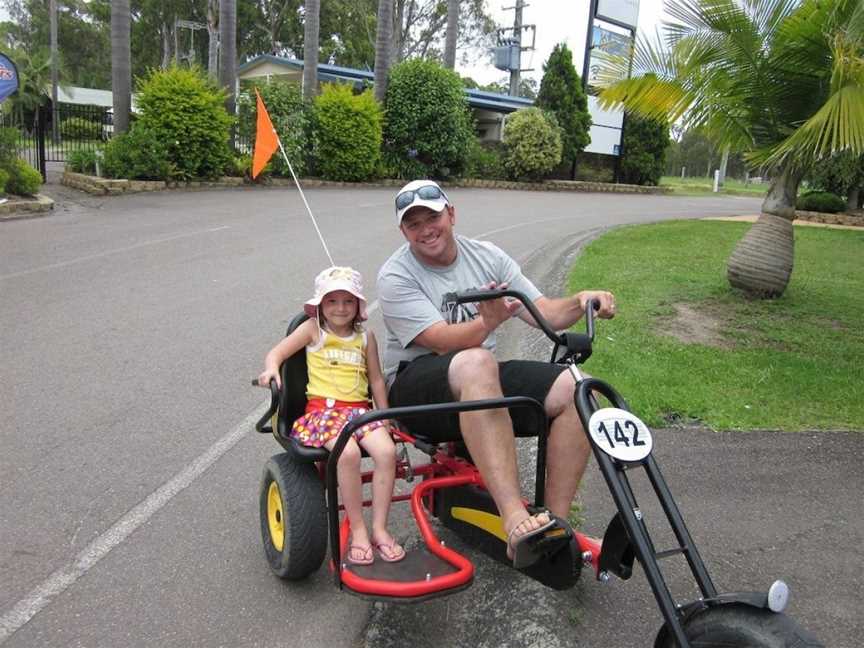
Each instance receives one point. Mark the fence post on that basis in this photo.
(40, 142)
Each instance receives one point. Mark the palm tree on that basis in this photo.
(121, 64)
(383, 37)
(228, 51)
(781, 80)
(310, 49)
(452, 33)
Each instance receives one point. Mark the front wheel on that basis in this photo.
(743, 626)
(293, 517)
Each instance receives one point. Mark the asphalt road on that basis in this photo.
(130, 328)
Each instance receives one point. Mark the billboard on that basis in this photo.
(624, 13)
(608, 42)
(8, 77)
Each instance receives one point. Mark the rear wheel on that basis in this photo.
(293, 517)
(743, 626)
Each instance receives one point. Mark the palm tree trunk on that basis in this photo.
(121, 64)
(761, 264)
(55, 66)
(213, 38)
(383, 38)
(452, 32)
(310, 49)
(228, 46)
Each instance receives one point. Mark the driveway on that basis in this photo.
(130, 328)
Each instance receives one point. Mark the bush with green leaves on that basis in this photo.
(485, 161)
(838, 174)
(561, 93)
(82, 161)
(644, 154)
(532, 144)
(428, 129)
(8, 145)
(347, 131)
(4, 178)
(290, 117)
(821, 201)
(140, 154)
(183, 108)
(23, 180)
(80, 128)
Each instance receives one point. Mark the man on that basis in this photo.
(437, 354)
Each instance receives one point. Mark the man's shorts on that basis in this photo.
(424, 381)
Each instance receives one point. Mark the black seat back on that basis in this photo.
(295, 376)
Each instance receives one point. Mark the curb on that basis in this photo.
(109, 187)
(26, 207)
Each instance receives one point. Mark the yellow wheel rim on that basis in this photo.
(275, 520)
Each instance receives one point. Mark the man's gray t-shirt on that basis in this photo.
(411, 294)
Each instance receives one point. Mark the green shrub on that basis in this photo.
(82, 161)
(8, 145)
(80, 128)
(532, 144)
(4, 178)
(291, 118)
(428, 128)
(485, 161)
(347, 133)
(821, 201)
(23, 180)
(645, 144)
(184, 109)
(139, 154)
(239, 166)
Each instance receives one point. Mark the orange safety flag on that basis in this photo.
(266, 140)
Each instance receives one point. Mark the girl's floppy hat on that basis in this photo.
(337, 278)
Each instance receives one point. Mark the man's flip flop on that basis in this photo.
(529, 547)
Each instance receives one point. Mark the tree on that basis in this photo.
(781, 81)
(644, 150)
(452, 32)
(420, 24)
(228, 45)
(561, 93)
(310, 49)
(383, 39)
(213, 38)
(121, 64)
(841, 174)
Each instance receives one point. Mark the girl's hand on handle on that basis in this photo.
(267, 375)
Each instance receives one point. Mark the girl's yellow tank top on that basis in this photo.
(337, 367)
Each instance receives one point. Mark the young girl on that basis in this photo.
(343, 365)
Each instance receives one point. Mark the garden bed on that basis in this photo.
(115, 187)
(854, 220)
(25, 206)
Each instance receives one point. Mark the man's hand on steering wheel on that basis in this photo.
(495, 312)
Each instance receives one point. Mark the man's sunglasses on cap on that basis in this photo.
(429, 192)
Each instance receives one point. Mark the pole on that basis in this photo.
(589, 37)
(517, 36)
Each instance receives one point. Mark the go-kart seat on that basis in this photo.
(292, 401)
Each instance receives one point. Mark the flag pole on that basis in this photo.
(303, 196)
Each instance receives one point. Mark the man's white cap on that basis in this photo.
(420, 193)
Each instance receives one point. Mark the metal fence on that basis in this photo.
(52, 134)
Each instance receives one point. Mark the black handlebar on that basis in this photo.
(274, 404)
(578, 345)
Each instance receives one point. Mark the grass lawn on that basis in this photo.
(685, 347)
(701, 186)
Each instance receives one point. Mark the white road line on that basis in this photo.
(62, 578)
(99, 255)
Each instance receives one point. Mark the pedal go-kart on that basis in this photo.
(296, 520)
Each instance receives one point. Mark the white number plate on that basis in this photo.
(620, 434)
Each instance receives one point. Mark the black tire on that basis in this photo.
(293, 517)
(738, 625)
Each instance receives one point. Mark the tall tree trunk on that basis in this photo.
(310, 49)
(396, 41)
(724, 161)
(852, 198)
(761, 264)
(121, 64)
(383, 43)
(213, 38)
(452, 32)
(55, 66)
(228, 46)
(166, 46)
